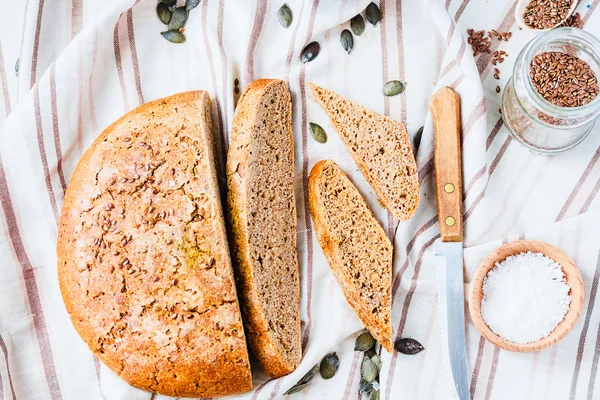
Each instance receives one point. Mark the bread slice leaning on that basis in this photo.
(143, 262)
(380, 147)
(356, 247)
(262, 209)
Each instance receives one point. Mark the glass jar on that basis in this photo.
(534, 121)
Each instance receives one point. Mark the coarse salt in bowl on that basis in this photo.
(526, 295)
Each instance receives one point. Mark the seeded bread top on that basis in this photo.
(380, 147)
(143, 262)
(356, 247)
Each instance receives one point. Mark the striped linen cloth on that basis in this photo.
(84, 63)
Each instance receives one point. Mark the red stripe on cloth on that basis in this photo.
(584, 329)
(259, 389)
(590, 198)
(477, 367)
(594, 370)
(220, 12)
(476, 114)
(42, 150)
(586, 172)
(460, 10)
(447, 69)
(492, 376)
(5, 93)
(305, 161)
(276, 389)
(457, 82)
(220, 135)
(97, 369)
(31, 287)
(10, 383)
(473, 181)
(493, 133)
(404, 314)
(76, 17)
(134, 57)
(590, 11)
(500, 154)
(461, 50)
(350, 379)
(91, 82)
(401, 67)
(55, 128)
(290, 54)
(36, 44)
(259, 20)
(117, 50)
(426, 170)
(79, 101)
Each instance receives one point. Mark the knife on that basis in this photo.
(445, 110)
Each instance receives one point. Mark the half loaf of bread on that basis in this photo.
(260, 180)
(143, 261)
(380, 147)
(355, 245)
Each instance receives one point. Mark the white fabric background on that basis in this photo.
(84, 63)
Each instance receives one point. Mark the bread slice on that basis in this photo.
(143, 260)
(380, 147)
(356, 247)
(260, 179)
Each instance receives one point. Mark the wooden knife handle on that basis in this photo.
(445, 109)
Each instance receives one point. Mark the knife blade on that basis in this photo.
(445, 110)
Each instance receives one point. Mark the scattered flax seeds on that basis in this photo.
(574, 21)
(479, 42)
(546, 14)
(563, 79)
(501, 36)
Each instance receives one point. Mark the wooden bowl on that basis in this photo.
(572, 276)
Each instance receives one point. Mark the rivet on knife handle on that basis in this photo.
(445, 110)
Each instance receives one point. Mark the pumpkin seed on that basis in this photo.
(377, 361)
(17, 66)
(179, 19)
(417, 140)
(296, 388)
(408, 346)
(357, 24)
(174, 36)
(285, 16)
(393, 88)
(329, 365)
(347, 40)
(310, 52)
(373, 14)
(191, 4)
(317, 132)
(164, 14)
(365, 387)
(377, 347)
(310, 374)
(368, 370)
(375, 395)
(364, 342)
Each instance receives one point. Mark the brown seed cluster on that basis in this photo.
(574, 21)
(546, 14)
(479, 42)
(501, 36)
(563, 79)
(498, 57)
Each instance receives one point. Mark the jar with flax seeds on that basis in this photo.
(551, 102)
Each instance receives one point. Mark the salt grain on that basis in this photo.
(525, 297)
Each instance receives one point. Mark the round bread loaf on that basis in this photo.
(143, 261)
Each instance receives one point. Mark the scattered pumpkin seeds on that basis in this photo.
(174, 36)
(393, 88)
(310, 52)
(364, 342)
(191, 4)
(179, 19)
(329, 365)
(164, 14)
(368, 370)
(373, 14)
(364, 386)
(304, 381)
(357, 24)
(285, 16)
(408, 346)
(377, 361)
(317, 132)
(375, 395)
(347, 41)
(417, 140)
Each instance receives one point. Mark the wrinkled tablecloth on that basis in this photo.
(83, 63)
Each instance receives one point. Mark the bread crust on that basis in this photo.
(330, 246)
(167, 319)
(261, 336)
